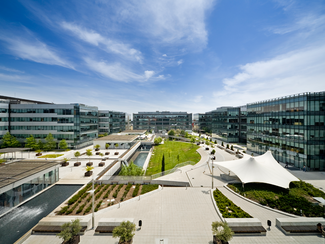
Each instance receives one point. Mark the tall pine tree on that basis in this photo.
(163, 164)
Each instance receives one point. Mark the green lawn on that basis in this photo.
(51, 156)
(175, 153)
(291, 201)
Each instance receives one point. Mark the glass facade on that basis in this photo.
(226, 123)
(162, 121)
(20, 193)
(111, 122)
(291, 127)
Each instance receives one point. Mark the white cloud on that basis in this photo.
(294, 72)
(170, 21)
(179, 62)
(96, 39)
(117, 72)
(11, 70)
(307, 23)
(164, 55)
(34, 50)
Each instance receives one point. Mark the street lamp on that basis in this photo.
(92, 191)
(212, 170)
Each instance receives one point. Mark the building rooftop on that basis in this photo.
(12, 172)
(134, 131)
(118, 138)
(19, 100)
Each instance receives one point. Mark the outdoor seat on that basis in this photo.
(300, 229)
(248, 229)
(52, 229)
(104, 229)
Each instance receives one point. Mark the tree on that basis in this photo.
(215, 142)
(77, 154)
(69, 230)
(97, 146)
(125, 231)
(213, 152)
(192, 140)
(171, 133)
(222, 144)
(232, 147)
(183, 133)
(89, 168)
(107, 145)
(158, 140)
(40, 144)
(89, 153)
(31, 143)
(9, 141)
(63, 144)
(227, 146)
(163, 163)
(50, 142)
(222, 231)
(131, 170)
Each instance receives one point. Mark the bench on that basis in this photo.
(246, 226)
(52, 229)
(248, 229)
(302, 225)
(107, 225)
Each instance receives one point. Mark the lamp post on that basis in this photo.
(212, 170)
(92, 191)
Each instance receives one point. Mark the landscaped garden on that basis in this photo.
(227, 208)
(105, 196)
(174, 153)
(298, 197)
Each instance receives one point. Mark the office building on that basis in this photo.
(292, 127)
(162, 121)
(111, 121)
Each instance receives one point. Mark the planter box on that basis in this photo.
(107, 153)
(88, 173)
(74, 240)
(89, 164)
(77, 163)
(97, 153)
(126, 242)
(65, 164)
(217, 241)
(38, 154)
(101, 164)
(116, 153)
(97, 149)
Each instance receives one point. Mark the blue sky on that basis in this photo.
(189, 55)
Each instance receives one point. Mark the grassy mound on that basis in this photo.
(299, 196)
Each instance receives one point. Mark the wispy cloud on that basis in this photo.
(308, 23)
(294, 72)
(29, 48)
(96, 39)
(118, 72)
(11, 70)
(179, 62)
(197, 98)
(170, 21)
(15, 78)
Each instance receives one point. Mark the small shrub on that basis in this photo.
(136, 190)
(148, 188)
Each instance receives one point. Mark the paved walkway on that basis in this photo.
(180, 215)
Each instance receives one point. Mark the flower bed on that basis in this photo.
(81, 203)
(227, 208)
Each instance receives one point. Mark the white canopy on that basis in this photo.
(259, 169)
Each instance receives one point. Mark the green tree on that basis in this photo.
(222, 231)
(31, 142)
(232, 147)
(50, 142)
(227, 146)
(192, 140)
(131, 170)
(213, 152)
(77, 154)
(97, 146)
(158, 140)
(69, 230)
(125, 231)
(9, 141)
(40, 144)
(222, 144)
(63, 144)
(89, 153)
(183, 133)
(171, 133)
(163, 163)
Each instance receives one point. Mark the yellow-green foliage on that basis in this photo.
(51, 156)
